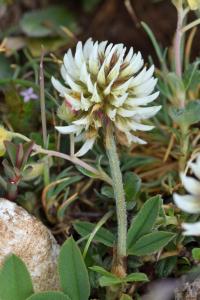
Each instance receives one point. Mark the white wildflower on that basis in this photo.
(190, 203)
(105, 84)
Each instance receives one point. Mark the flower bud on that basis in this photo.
(5, 135)
(194, 4)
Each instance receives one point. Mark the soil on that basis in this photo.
(112, 21)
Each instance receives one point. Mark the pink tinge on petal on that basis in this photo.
(100, 114)
(68, 104)
(107, 121)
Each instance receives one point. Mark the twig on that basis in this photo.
(95, 230)
(72, 144)
(42, 100)
(191, 25)
(189, 45)
(132, 13)
(172, 139)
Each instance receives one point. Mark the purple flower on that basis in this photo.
(28, 95)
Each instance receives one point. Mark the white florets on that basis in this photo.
(103, 84)
(190, 203)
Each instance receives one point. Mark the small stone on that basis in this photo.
(26, 237)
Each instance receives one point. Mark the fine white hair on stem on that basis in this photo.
(105, 83)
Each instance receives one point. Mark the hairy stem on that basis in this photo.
(119, 193)
(177, 42)
(181, 13)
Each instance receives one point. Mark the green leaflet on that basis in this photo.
(144, 221)
(15, 281)
(103, 235)
(150, 243)
(45, 22)
(108, 278)
(187, 116)
(132, 184)
(74, 278)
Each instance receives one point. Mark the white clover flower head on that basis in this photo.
(190, 203)
(105, 84)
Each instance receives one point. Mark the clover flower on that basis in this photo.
(190, 203)
(5, 135)
(105, 84)
(194, 4)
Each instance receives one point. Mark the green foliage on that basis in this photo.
(130, 162)
(176, 87)
(132, 185)
(49, 296)
(187, 116)
(18, 155)
(73, 273)
(144, 221)
(158, 50)
(49, 43)
(15, 281)
(45, 22)
(154, 237)
(103, 235)
(86, 172)
(107, 191)
(151, 243)
(196, 253)
(6, 71)
(165, 266)
(108, 278)
(125, 297)
(112, 280)
(192, 76)
(22, 116)
(89, 4)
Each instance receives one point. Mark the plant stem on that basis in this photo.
(119, 193)
(177, 42)
(184, 145)
(191, 25)
(101, 222)
(20, 136)
(72, 145)
(43, 118)
(75, 160)
(42, 101)
(181, 13)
